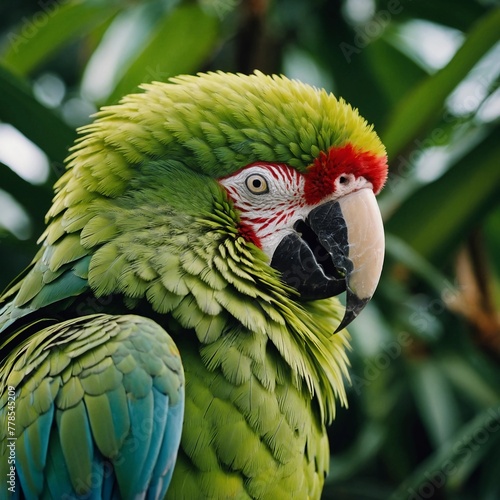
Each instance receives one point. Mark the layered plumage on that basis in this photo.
(150, 251)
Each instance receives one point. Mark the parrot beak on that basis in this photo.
(339, 247)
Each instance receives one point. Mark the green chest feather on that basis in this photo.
(248, 431)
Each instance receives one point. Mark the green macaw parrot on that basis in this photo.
(177, 334)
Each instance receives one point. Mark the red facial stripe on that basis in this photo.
(248, 233)
(321, 175)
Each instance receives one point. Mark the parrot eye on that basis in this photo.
(257, 184)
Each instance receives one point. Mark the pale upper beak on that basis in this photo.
(339, 247)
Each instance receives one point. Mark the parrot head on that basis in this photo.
(322, 228)
(298, 167)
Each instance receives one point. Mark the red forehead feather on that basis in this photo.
(346, 159)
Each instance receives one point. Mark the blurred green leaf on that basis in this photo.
(347, 52)
(180, 43)
(452, 204)
(33, 198)
(469, 382)
(367, 444)
(52, 27)
(386, 61)
(422, 105)
(15, 255)
(448, 462)
(41, 125)
(436, 403)
(489, 475)
(451, 13)
(405, 254)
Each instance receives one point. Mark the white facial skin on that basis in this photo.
(271, 199)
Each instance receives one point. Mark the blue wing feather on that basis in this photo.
(164, 468)
(57, 479)
(31, 448)
(134, 451)
(159, 420)
(59, 454)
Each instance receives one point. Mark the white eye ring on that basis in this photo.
(257, 184)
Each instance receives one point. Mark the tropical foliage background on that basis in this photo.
(424, 416)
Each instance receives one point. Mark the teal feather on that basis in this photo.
(158, 430)
(164, 466)
(68, 285)
(31, 447)
(136, 447)
(57, 478)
